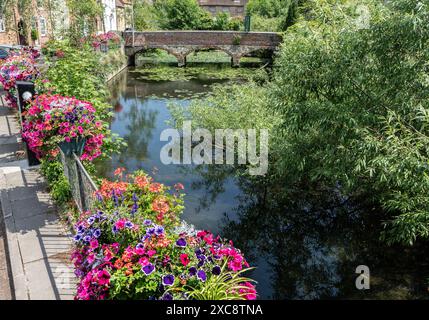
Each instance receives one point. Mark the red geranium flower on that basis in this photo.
(184, 259)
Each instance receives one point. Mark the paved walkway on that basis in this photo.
(36, 241)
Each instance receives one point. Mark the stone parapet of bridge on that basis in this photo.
(182, 43)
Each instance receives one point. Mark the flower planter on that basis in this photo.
(76, 145)
(63, 122)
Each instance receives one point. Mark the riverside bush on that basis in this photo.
(351, 98)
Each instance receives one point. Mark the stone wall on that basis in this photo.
(203, 38)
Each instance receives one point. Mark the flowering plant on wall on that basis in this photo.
(133, 246)
(52, 119)
(19, 66)
(110, 39)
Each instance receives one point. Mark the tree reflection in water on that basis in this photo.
(308, 241)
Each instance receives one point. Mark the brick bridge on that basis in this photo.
(181, 43)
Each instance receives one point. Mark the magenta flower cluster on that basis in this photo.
(122, 253)
(19, 66)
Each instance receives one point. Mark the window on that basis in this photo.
(42, 23)
(2, 24)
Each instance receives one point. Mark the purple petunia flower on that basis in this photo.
(150, 232)
(129, 224)
(168, 280)
(80, 229)
(202, 275)
(181, 243)
(99, 197)
(192, 271)
(148, 269)
(201, 257)
(97, 233)
(147, 222)
(91, 220)
(115, 199)
(134, 208)
(140, 245)
(216, 270)
(77, 238)
(159, 230)
(87, 238)
(114, 229)
(167, 296)
(135, 198)
(79, 273)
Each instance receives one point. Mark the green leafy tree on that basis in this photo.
(221, 21)
(350, 92)
(145, 15)
(280, 13)
(182, 15)
(354, 97)
(83, 18)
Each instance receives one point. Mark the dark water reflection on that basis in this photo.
(306, 243)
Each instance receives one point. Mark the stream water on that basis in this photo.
(303, 247)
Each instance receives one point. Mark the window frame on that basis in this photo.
(43, 25)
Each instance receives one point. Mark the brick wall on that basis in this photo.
(8, 38)
(11, 37)
(203, 38)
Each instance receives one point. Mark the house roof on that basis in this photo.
(223, 3)
(123, 3)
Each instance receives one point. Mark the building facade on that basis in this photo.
(109, 19)
(15, 29)
(236, 8)
(123, 14)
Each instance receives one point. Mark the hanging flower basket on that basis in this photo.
(76, 145)
(17, 67)
(65, 122)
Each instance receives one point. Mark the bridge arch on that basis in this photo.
(224, 49)
(180, 55)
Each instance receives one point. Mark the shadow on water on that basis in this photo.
(305, 242)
